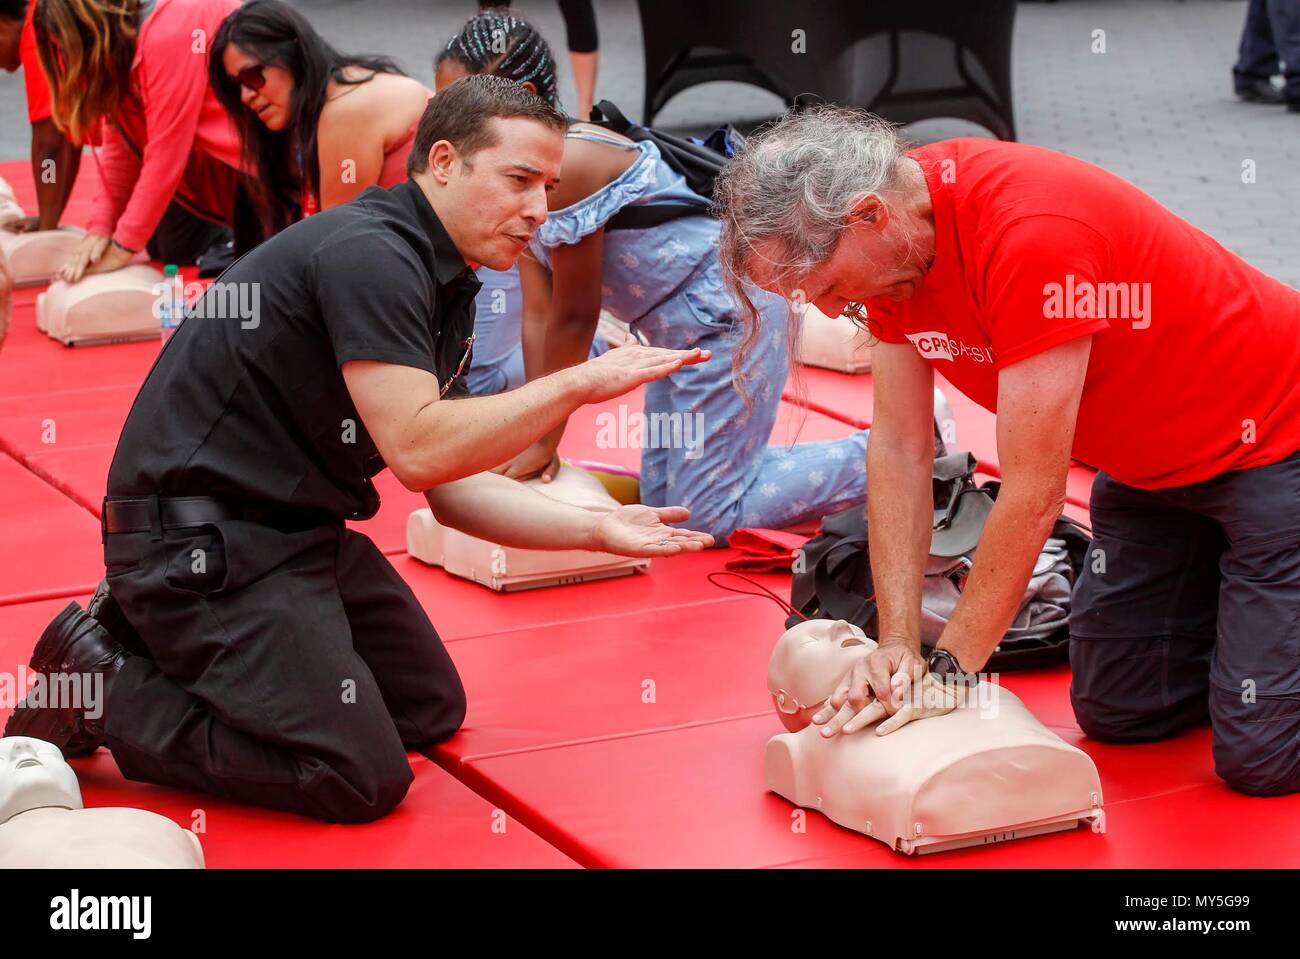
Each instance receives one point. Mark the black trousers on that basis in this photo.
(1188, 609)
(291, 669)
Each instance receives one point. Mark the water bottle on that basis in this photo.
(171, 311)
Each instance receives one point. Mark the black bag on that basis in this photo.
(698, 163)
(835, 581)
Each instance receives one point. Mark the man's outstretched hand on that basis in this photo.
(626, 367)
(643, 531)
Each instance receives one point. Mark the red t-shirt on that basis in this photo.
(38, 89)
(1195, 362)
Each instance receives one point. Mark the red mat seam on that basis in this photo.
(49, 479)
(510, 804)
(527, 627)
(609, 737)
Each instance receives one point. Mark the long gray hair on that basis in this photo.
(790, 191)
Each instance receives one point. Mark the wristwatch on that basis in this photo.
(945, 667)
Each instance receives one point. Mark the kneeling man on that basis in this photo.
(251, 644)
(1097, 324)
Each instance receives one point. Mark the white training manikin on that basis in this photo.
(103, 307)
(833, 342)
(44, 825)
(507, 568)
(986, 772)
(37, 256)
(9, 208)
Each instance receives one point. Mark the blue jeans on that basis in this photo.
(722, 469)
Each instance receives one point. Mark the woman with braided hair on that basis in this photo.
(705, 443)
(318, 126)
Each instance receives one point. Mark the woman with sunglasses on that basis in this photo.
(170, 155)
(665, 281)
(316, 126)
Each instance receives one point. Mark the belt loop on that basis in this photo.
(103, 522)
(155, 518)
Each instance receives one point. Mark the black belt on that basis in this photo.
(153, 514)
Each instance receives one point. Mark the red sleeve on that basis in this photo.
(173, 82)
(884, 320)
(38, 88)
(1036, 285)
(119, 171)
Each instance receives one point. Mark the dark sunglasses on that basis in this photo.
(252, 77)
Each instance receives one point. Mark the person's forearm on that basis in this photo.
(900, 516)
(566, 343)
(507, 512)
(458, 438)
(1009, 546)
(55, 163)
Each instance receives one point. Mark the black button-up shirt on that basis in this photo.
(247, 401)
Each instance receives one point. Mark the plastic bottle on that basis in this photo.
(171, 311)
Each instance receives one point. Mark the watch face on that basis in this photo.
(942, 665)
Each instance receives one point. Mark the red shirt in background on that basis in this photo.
(39, 100)
(1195, 363)
(177, 141)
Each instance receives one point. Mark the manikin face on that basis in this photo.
(492, 204)
(875, 257)
(272, 101)
(808, 663)
(33, 773)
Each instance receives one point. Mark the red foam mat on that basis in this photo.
(621, 675)
(672, 585)
(695, 797)
(49, 546)
(441, 823)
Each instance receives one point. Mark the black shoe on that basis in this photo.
(103, 607)
(1293, 105)
(1256, 90)
(73, 643)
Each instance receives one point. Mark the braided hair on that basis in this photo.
(500, 43)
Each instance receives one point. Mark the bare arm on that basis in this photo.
(427, 443)
(561, 311)
(55, 153)
(506, 511)
(900, 457)
(1038, 403)
(350, 146)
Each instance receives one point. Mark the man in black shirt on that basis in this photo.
(251, 644)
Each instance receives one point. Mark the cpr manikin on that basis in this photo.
(35, 257)
(9, 208)
(833, 342)
(103, 307)
(985, 772)
(507, 568)
(43, 824)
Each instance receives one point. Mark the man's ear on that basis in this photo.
(530, 87)
(442, 161)
(869, 209)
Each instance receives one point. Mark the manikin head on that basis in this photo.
(33, 775)
(808, 663)
(486, 153)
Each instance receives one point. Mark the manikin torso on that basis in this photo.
(123, 304)
(43, 824)
(988, 768)
(36, 257)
